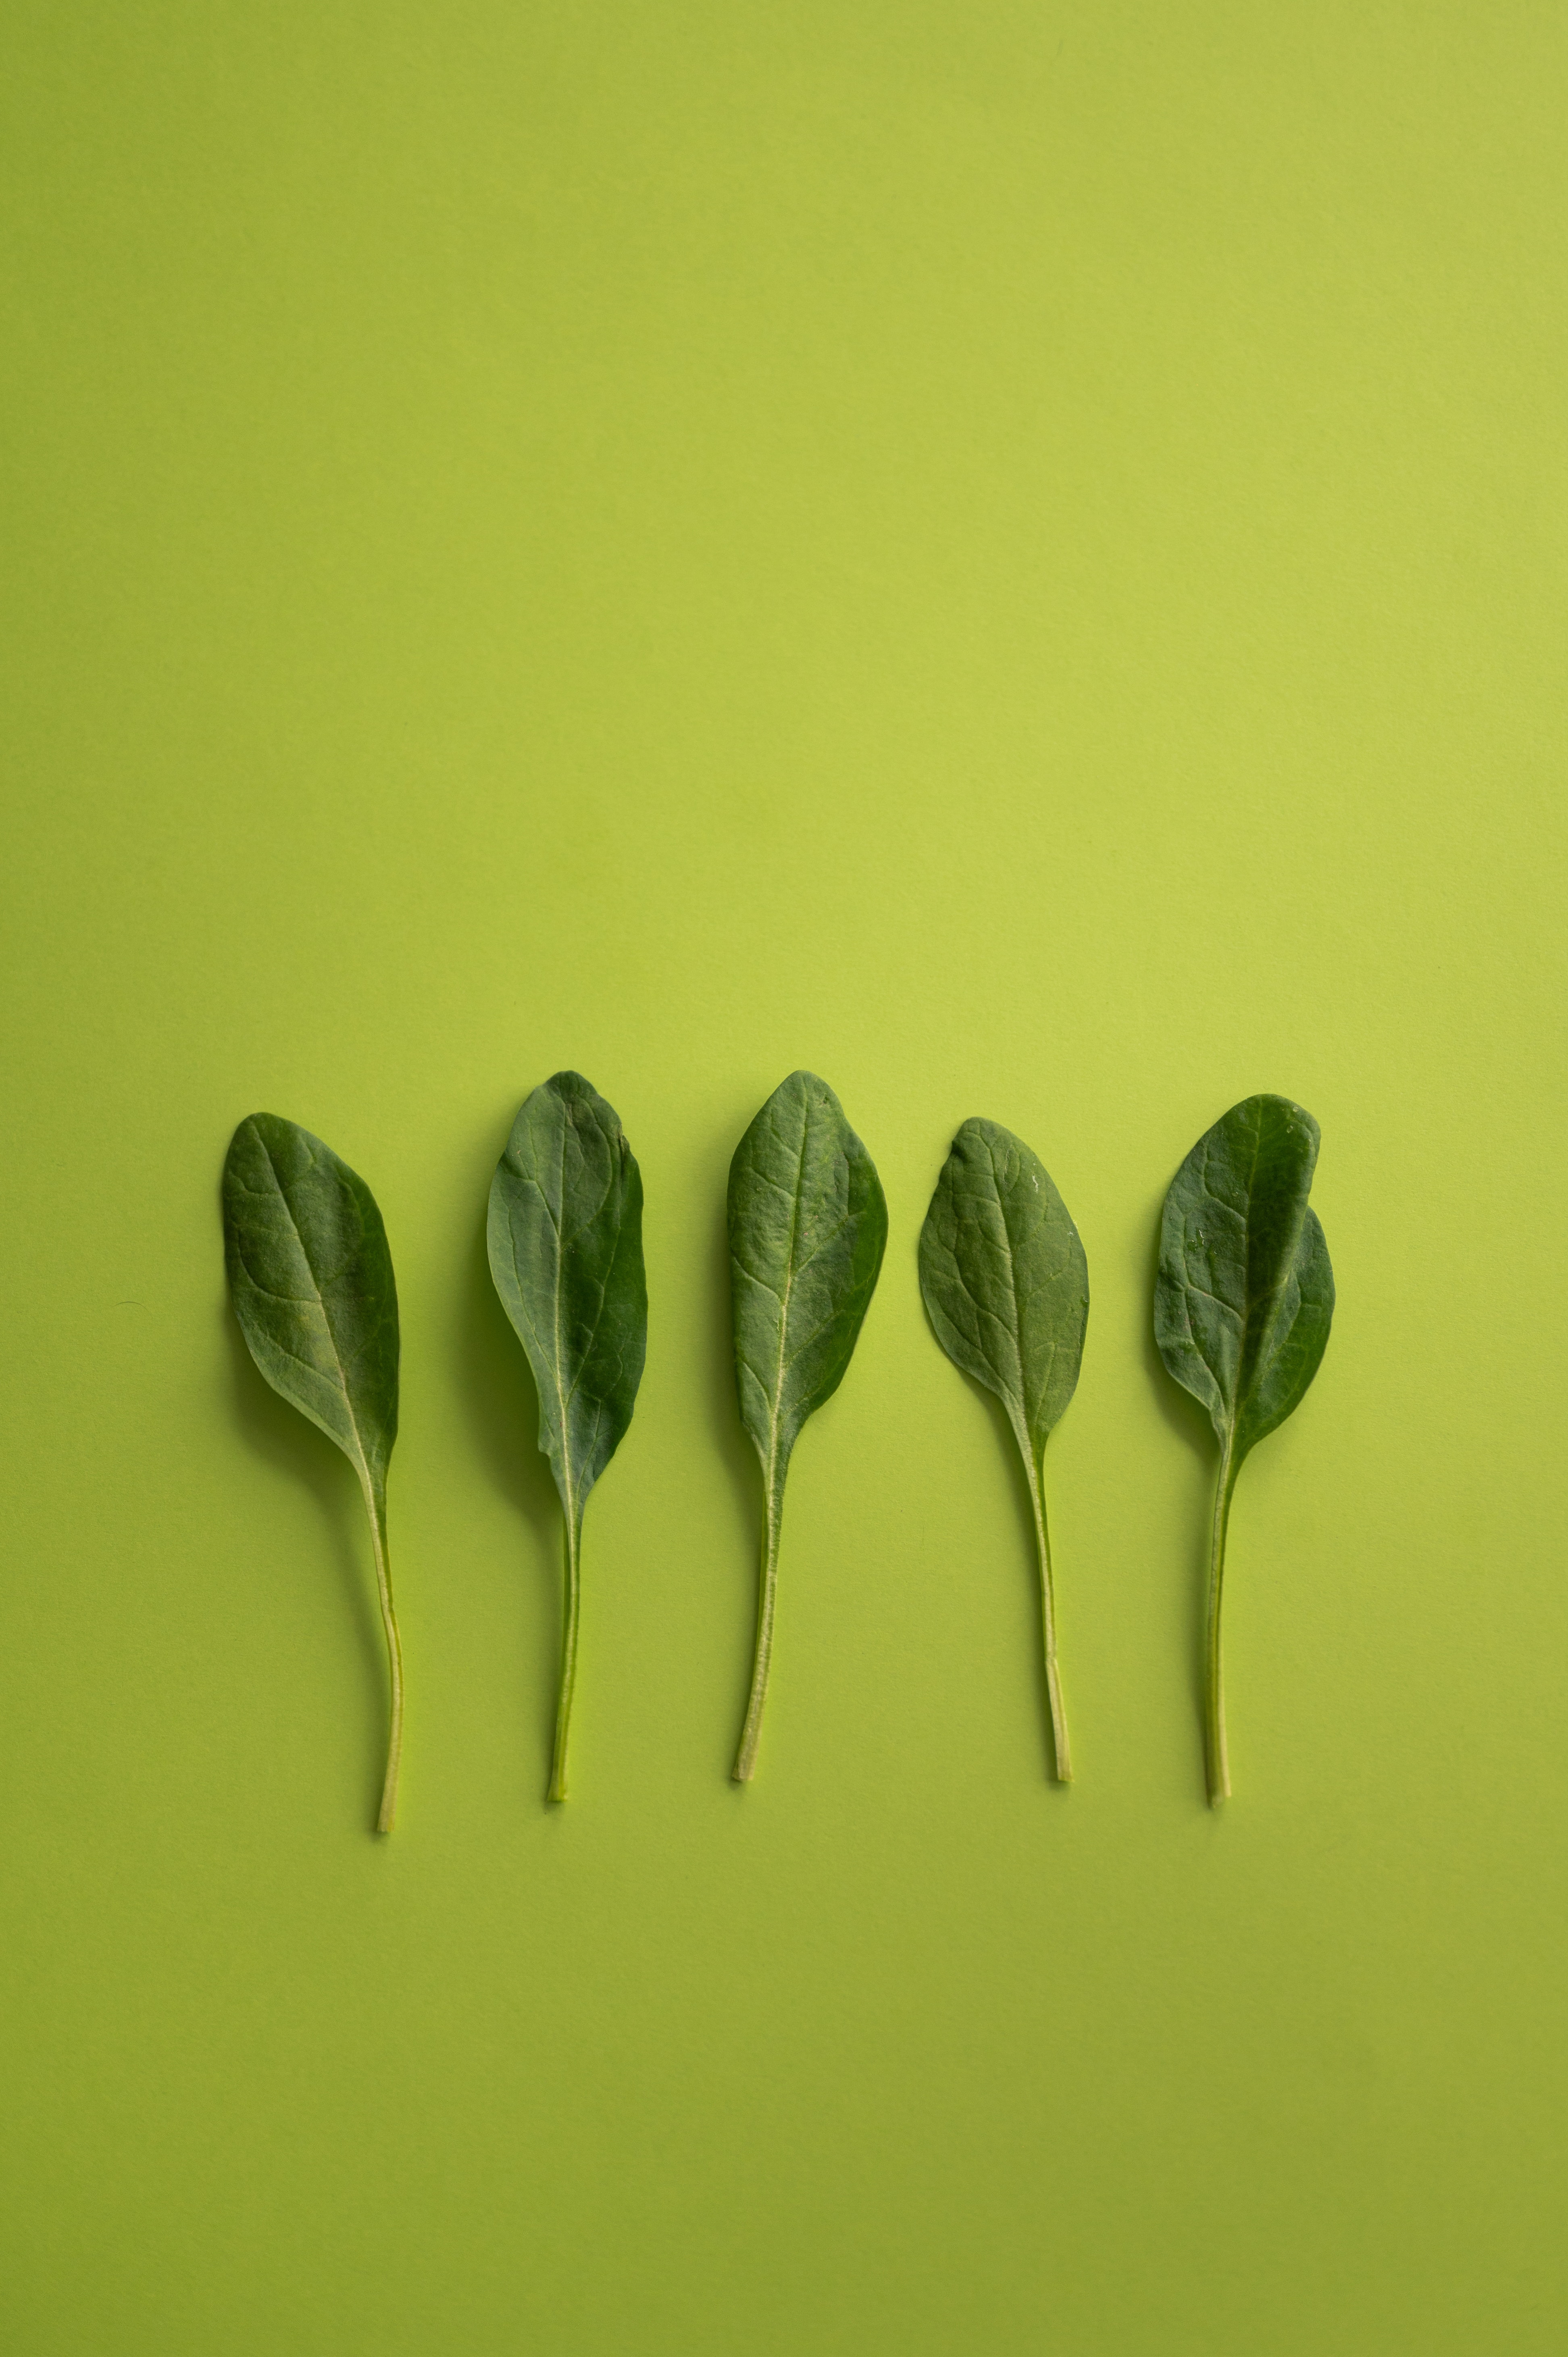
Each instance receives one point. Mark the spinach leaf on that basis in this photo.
(808, 1225)
(1242, 1304)
(566, 1246)
(1006, 1288)
(313, 1288)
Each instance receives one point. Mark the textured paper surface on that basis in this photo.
(1013, 556)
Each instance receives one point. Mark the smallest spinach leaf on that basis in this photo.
(1243, 1302)
(1005, 1285)
(313, 1288)
(565, 1251)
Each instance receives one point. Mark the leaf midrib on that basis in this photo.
(556, 1354)
(1016, 1333)
(325, 1313)
(531, 1179)
(784, 1298)
(1246, 1367)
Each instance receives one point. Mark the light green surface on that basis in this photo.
(1014, 557)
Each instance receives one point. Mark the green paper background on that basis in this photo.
(1015, 555)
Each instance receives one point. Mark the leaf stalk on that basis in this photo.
(1216, 1758)
(568, 1654)
(1061, 1755)
(377, 1508)
(768, 1580)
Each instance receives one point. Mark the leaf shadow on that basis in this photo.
(291, 1443)
(498, 1389)
(1186, 1419)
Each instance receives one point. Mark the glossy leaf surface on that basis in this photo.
(311, 1277)
(808, 1226)
(565, 1252)
(1005, 1285)
(1243, 1301)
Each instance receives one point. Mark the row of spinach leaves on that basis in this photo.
(1243, 1300)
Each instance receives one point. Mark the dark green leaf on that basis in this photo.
(1242, 1304)
(1006, 1288)
(566, 1246)
(808, 1225)
(313, 1289)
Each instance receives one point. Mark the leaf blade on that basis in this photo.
(565, 1241)
(1005, 1283)
(1005, 1278)
(1294, 1350)
(310, 1275)
(1233, 1232)
(1244, 1304)
(808, 1225)
(808, 1228)
(563, 1235)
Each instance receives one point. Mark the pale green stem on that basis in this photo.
(377, 1506)
(1214, 1694)
(568, 1656)
(1061, 1754)
(745, 1758)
